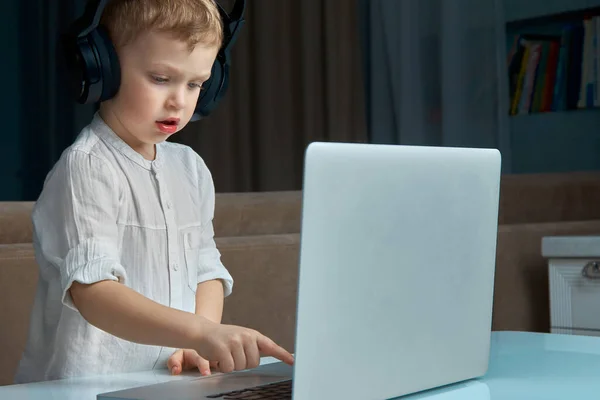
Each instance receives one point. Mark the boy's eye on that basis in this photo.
(195, 86)
(159, 79)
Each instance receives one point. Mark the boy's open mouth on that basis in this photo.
(168, 122)
(168, 126)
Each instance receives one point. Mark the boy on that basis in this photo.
(129, 270)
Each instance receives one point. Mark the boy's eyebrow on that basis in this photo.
(178, 72)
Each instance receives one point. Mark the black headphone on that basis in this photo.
(94, 67)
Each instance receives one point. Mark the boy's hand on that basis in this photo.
(236, 348)
(187, 359)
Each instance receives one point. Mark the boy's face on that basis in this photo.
(160, 85)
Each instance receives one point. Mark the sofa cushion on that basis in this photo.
(18, 280)
(265, 270)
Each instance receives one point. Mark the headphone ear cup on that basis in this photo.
(108, 63)
(213, 89)
(79, 61)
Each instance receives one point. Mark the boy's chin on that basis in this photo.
(159, 139)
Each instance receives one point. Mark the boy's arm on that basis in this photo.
(209, 300)
(123, 312)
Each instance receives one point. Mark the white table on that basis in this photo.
(89, 388)
(523, 366)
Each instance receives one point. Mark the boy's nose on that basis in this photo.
(177, 100)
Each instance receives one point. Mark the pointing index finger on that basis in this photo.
(270, 349)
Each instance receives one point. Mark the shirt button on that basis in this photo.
(175, 267)
(168, 205)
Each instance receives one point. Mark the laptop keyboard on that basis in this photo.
(279, 390)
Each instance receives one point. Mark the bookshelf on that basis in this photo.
(552, 128)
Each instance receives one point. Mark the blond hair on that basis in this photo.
(192, 21)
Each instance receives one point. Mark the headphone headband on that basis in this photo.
(91, 17)
(232, 22)
(95, 69)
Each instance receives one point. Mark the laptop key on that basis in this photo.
(276, 391)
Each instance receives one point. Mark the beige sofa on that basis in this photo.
(258, 235)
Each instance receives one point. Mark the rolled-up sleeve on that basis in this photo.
(77, 225)
(210, 265)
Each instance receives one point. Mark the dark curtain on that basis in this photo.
(435, 72)
(50, 119)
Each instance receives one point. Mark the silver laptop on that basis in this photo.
(397, 261)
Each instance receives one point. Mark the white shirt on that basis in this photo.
(106, 213)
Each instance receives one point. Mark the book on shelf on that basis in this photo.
(559, 72)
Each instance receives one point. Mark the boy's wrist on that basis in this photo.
(195, 334)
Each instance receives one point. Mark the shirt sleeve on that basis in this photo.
(210, 266)
(75, 222)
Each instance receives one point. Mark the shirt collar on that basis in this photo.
(110, 137)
